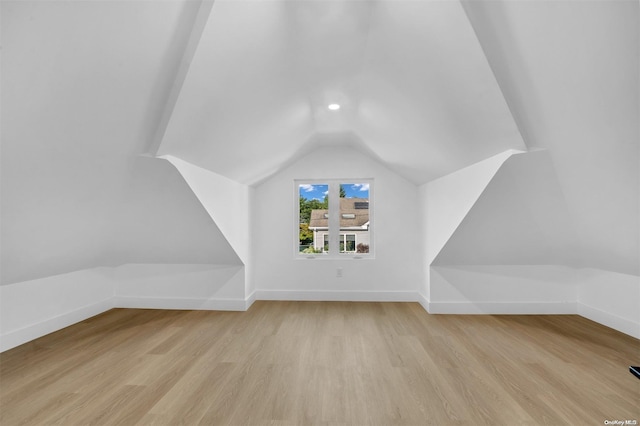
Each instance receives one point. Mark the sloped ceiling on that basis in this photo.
(570, 73)
(241, 88)
(83, 83)
(411, 77)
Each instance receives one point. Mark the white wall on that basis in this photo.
(395, 273)
(503, 289)
(227, 202)
(606, 297)
(34, 308)
(160, 220)
(81, 101)
(169, 286)
(518, 218)
(521, 218)
(447, 200)
(444, 203)
(516, 251)
(156, 218)
(610, 298)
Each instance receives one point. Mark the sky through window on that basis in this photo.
(318, 192)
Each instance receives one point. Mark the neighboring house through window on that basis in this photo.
(354, 226)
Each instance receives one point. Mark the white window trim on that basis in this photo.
(334, 220)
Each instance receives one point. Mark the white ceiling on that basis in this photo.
(411, 77)
(83, 85)
(241, 88)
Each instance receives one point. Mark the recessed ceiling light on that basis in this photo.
(334, 107)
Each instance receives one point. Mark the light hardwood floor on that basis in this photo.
(284, 363)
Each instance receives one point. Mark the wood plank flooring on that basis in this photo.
(324, 363)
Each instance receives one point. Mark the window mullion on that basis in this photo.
(334, 218)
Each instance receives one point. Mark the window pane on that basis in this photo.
(354, 217)
(313, 218)
(350, 243)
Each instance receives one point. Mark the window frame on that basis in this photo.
(333, 229)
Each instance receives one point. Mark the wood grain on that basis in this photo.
(321, 363)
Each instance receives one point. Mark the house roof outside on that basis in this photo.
(354, 213)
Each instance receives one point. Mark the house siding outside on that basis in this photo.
(362, 237)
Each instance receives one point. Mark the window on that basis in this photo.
(347, 243)
(334, 218)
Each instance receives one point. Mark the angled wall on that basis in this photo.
(517, 251)
(445, 202)
(163, 251)
(227, 202)
(610, 298)
(160, 220)
(521, 218)
(569, 72)
(31, 309)
(514, 249)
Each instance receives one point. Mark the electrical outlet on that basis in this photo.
(339, 272)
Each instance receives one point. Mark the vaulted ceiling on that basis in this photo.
(241, 88)
(413, 83)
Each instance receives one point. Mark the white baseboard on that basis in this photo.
(605, 318)
(337, 296)
(180, 303)
(249, 300)
(424, 302)
(502, 308)
(26, 334)
(42, 328)
(31, 332)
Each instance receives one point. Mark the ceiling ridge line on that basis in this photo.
(495, 76)
(199, 24)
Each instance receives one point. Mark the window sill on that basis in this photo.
(339, 257)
